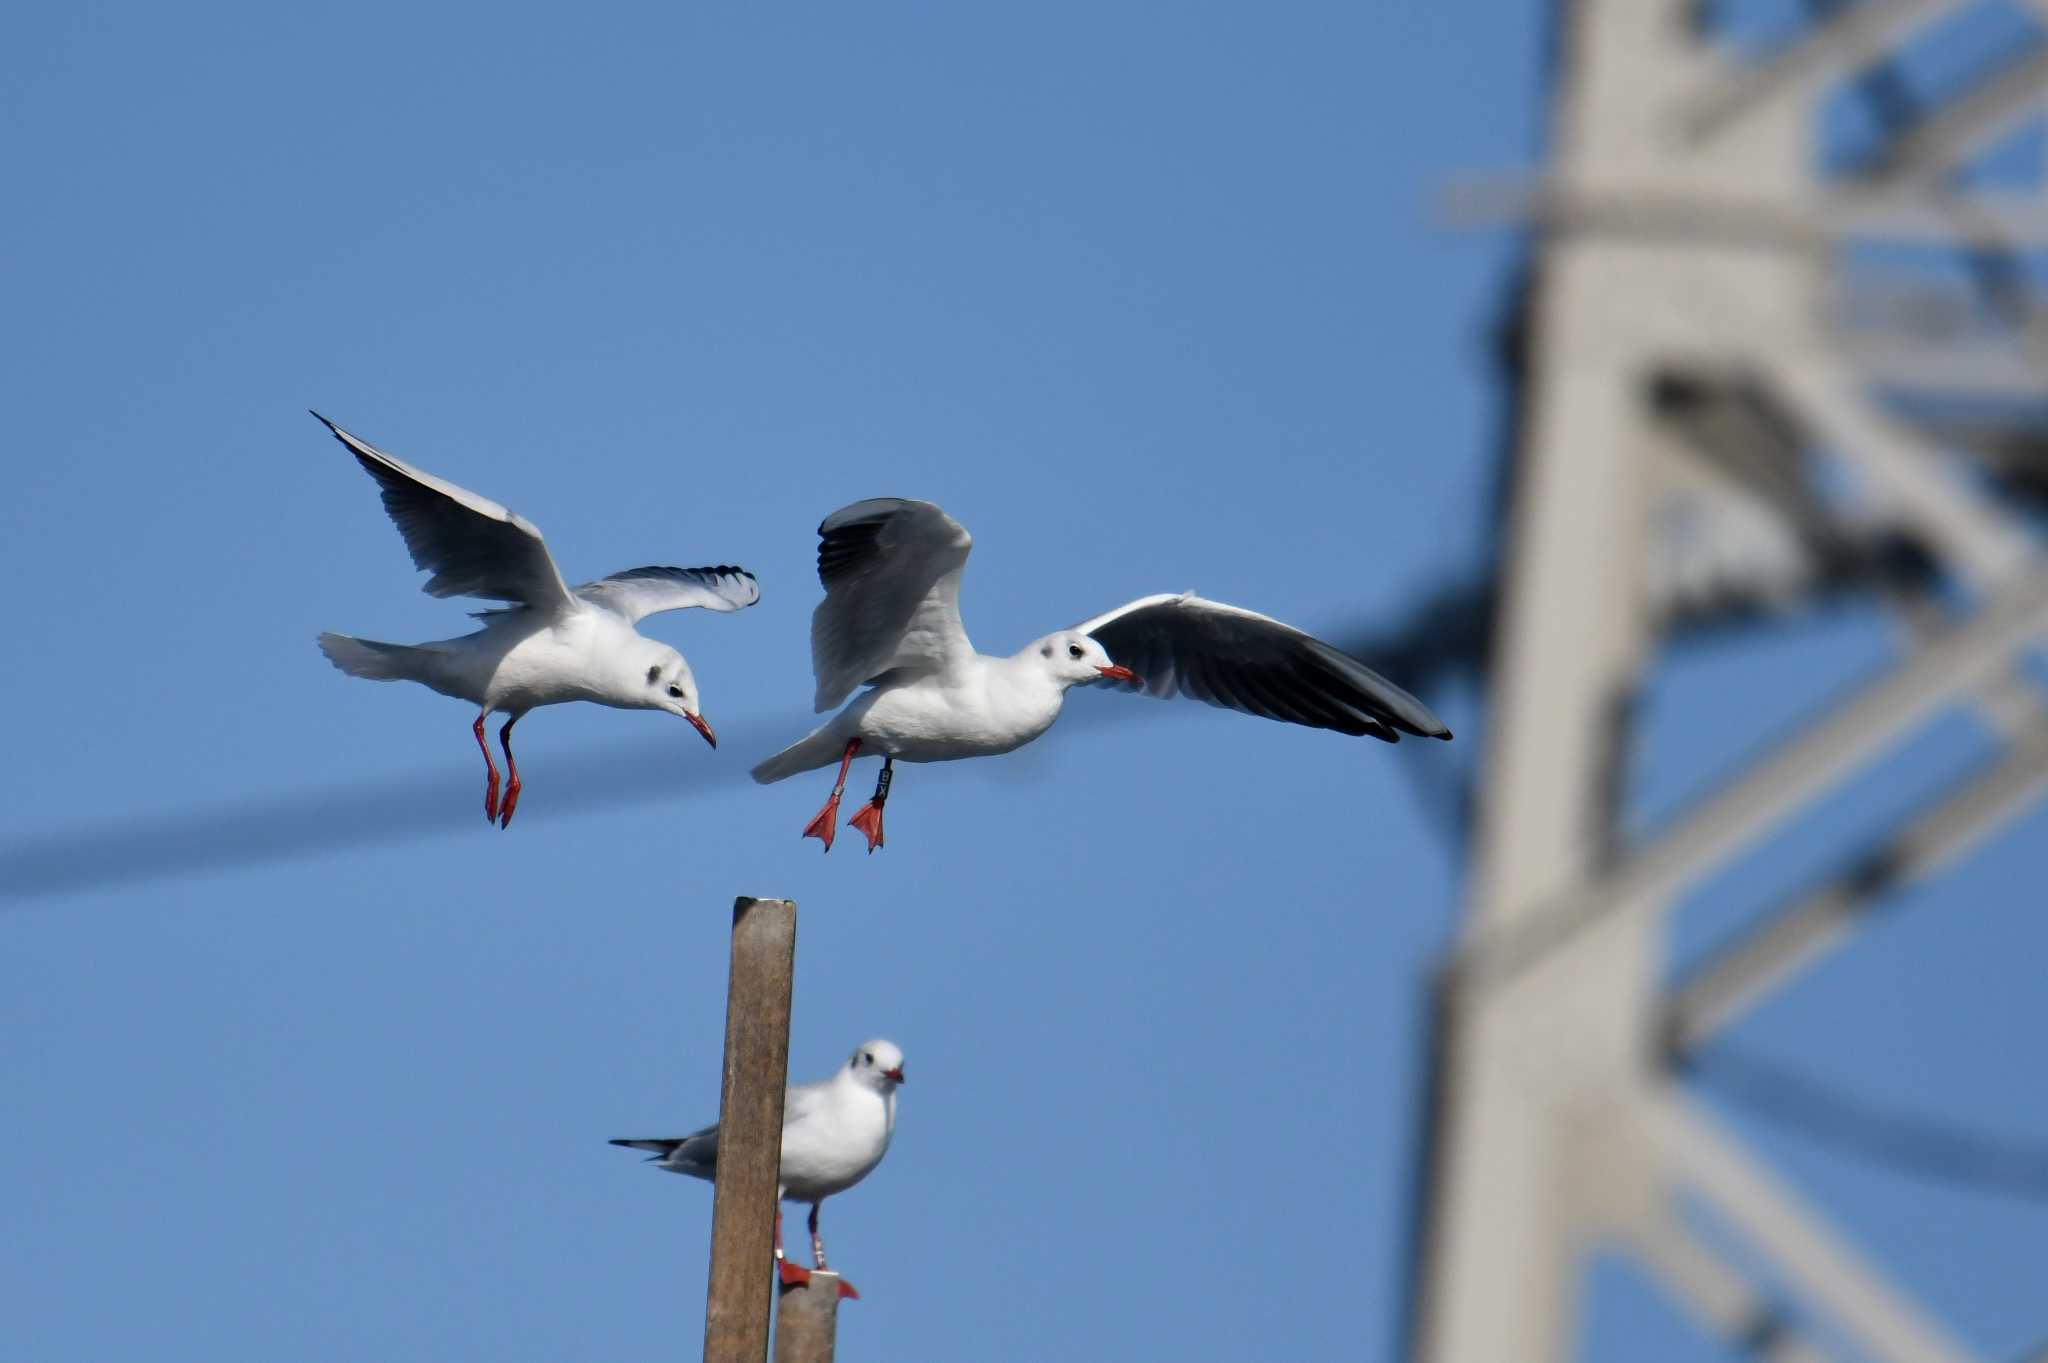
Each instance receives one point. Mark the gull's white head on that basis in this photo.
(877, 1065)
(664, 682)
(1072, 658)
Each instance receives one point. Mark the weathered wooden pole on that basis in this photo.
(807, 1319)
(750, 1131)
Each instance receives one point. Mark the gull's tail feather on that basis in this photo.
(695, 1154)
(377, 662)
(818, 748)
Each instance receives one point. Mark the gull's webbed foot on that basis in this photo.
(868, 819)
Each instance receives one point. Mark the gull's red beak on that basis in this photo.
(895, 1074)
(1122, 674)
(702, 728)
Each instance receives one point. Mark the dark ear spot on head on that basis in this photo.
(1045, 652)
(654, 674)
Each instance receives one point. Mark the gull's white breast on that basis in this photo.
(838, 1145)
(987, 709)
(571, 657)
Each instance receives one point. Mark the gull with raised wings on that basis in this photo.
(890, 621)
(551, 643)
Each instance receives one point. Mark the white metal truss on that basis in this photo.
(1687, 234)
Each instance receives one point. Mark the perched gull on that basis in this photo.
(834, 1133)
(891, 619)
(552, 644)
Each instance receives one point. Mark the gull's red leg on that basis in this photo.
(868, 818)
(791, 1275)
(825, 824)
(490, 787)
(511, 775)
(818, 1253)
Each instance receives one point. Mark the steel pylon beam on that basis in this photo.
(1686, 243)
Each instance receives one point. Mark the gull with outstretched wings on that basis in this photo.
(550, 642)
(890, 621)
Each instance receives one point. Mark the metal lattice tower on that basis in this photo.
(1714, 420)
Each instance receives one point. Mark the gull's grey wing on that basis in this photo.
(473, 546)
(1242, 660)
(638, 593)
(891, 570)
(695, 1154)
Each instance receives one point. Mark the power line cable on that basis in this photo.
(1908, 1142)
(280, 826)
(284, 826)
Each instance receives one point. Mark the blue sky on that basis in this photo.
(1150, 298)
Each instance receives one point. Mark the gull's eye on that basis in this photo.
(867, 1057)
(676, 691)
(1073, 650)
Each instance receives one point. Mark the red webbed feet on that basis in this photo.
(826, 824)
(868, 819)
(790, 1275)
(512, 789)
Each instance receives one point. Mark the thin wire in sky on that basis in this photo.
(280, 826)
(1926, 1147)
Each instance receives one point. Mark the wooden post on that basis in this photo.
(806, 1319)
(750, 1131)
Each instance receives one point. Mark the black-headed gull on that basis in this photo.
(553, 643)
(891, 619)
(834, 1133)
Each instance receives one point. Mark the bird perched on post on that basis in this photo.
(834, 1133)
(891, 620)
(552, 643)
